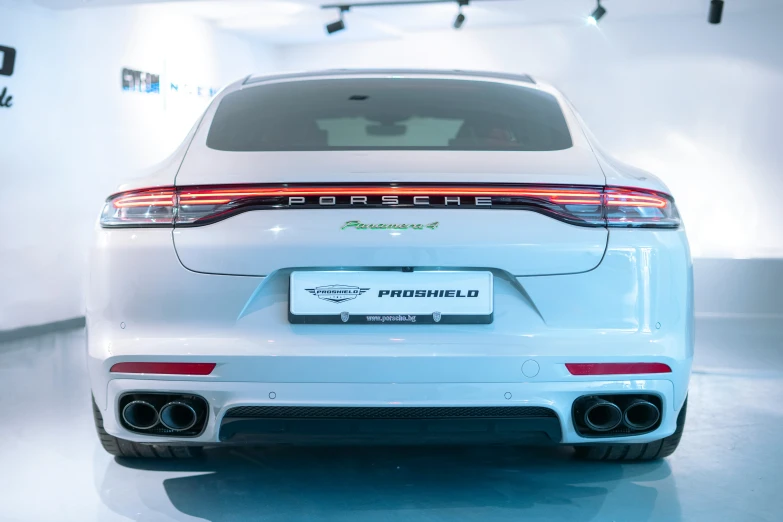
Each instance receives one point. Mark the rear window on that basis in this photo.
(388, 114)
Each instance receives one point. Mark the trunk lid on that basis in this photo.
(517, 241)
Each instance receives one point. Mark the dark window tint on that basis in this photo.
(388, 114)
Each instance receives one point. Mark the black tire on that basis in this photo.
(650, 451)
(135, 450)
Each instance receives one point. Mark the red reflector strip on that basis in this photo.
(164, 368)
(616, 368)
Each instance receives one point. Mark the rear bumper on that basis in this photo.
(636, 306)
(556, 396)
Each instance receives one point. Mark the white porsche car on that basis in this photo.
(391, 256)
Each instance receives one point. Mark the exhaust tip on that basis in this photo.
(641, 415)
(601, 415)
(140, 415)
(178, 416)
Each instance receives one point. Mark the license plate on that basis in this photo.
(390, 297)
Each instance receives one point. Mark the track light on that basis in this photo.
(460, 17)
(339, 25)
(599, 12)
(716, 11)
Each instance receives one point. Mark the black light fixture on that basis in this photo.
(460, 17)
(339, 25)
(459, 21)
(599, 12)
(716, 11)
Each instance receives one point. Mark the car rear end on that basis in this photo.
(389, 257)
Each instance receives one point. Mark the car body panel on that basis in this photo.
(518, 242)
(562, 293)
(574, 166)
(609, 314)
(557, 396)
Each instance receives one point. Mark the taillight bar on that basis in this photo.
(157, 198)
(402, 190)
(589, 206)
(616, 368)
(164, 368)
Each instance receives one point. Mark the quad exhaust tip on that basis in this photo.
(140, 415)
(641, 415)
(178, 416)
(601, 415)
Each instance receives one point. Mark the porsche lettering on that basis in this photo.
(393, 201)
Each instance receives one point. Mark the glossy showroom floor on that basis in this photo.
(728, 467)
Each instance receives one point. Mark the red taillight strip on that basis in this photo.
(217, 196)
(581, 205)
(161, 197)
(616, 368)
(164, 368)
(622, 197)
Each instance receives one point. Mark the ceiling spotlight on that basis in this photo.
(339, 25)
(460, 17)
(599, 12)
(716, 11)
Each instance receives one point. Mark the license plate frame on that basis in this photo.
(391, 297)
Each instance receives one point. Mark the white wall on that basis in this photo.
(72, 134)
(697, 104)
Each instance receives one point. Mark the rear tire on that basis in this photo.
(133, 450)
(649, 451)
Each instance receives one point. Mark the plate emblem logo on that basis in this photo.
(337, 293)
(344, 316)
(436, 316)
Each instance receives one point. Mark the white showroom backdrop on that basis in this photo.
(72, 134)
(699, 105)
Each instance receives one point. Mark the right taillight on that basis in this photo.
(631, 207)
(587, 206)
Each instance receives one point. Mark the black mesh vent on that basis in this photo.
(322, 412)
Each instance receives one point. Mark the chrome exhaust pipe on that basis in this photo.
(140, 415)
(601, 415)
(641, 415)
(178, 415)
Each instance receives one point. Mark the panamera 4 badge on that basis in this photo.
(358, 225)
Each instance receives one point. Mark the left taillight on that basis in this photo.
(155, 207)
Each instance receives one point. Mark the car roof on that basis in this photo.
(375, 72)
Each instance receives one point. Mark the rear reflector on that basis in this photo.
(616, 368)
(587, 206)
(164, 368)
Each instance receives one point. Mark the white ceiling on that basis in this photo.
(289, 22)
